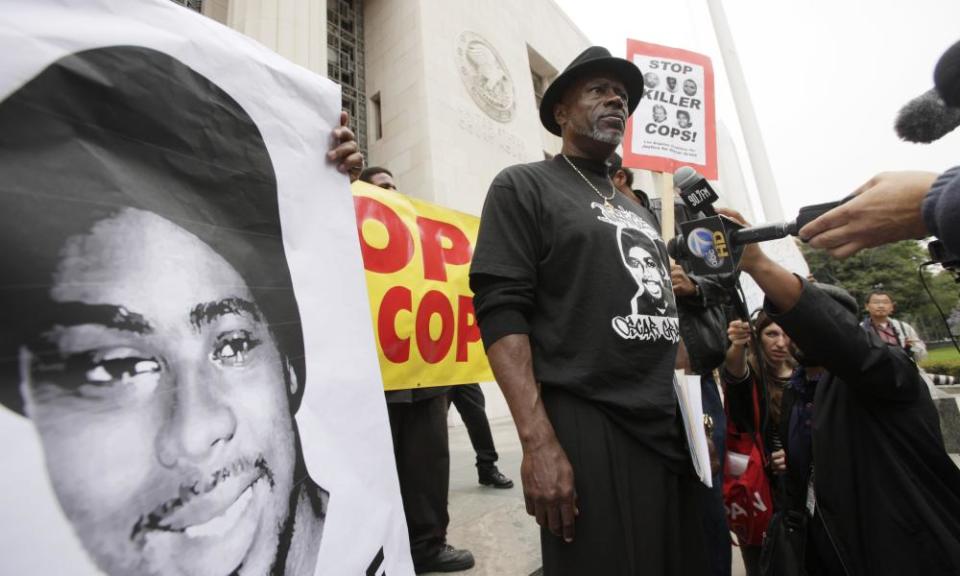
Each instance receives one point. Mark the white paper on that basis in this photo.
(691, 408)
(342, 419)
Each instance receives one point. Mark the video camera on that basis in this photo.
(712, 245)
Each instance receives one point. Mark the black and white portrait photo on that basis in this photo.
(642, 258)
(671, 84)
(189, 381)
(690, 87)
(651, 80)
(659, 113)
(171, 336)
(683, 119)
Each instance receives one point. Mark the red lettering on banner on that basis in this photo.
(399, 249)
(435, 256)
(396, 349)
(467, 329)
(434, 302)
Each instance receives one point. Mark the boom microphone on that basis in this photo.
(946, 76)
(926, 118)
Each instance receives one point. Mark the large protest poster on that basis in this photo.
(188, 379)
(417, 257)
(675, 123)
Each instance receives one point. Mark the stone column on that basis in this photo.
(295, 29)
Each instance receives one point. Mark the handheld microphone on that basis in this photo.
(926, 118)
(777, 230)
(713, 245)
(695, 190)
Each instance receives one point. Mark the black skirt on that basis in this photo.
(637, 516)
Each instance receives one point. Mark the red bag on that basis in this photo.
(747, 497)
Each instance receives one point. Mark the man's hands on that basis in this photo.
(345, 152)
(886, 209)
(682, 284)
(546, 473)
(548, 488)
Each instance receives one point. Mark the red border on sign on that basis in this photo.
(660, 164)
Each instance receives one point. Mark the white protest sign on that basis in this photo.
(188, 376)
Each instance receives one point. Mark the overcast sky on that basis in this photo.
(826, 78)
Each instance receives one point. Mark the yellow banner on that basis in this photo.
(417, 260)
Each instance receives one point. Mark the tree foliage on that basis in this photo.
(893, 268)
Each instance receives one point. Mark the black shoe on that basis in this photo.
(449, 559)
(496, 479)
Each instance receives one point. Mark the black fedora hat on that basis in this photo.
(593, 59)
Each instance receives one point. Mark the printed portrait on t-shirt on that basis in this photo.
(640, 256)
(650, 312)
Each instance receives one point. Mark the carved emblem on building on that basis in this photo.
(486, 77)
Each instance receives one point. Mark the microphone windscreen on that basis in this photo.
(684, 176)
(926, 118)
(946, 76)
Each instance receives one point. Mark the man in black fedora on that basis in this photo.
(588, 377)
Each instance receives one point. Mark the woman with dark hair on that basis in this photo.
(765, 372)
(148, 323)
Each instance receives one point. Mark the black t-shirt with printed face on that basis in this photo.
(602, 321)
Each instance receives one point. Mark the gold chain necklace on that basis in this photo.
(606, 200)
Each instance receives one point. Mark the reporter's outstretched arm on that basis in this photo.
(887, 208)
(825, 330)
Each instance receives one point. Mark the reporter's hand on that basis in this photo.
(739, 333)
(886, 209)
(752, 254)
(345, 152)
(548, 488)
(778, 461)
(682, 284)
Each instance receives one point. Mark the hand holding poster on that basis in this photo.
(183, 389)
(675, 122)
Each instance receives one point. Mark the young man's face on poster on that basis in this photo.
(165, 418)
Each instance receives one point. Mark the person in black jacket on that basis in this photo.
(882, 496)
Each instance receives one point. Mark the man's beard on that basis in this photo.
(594, 133)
